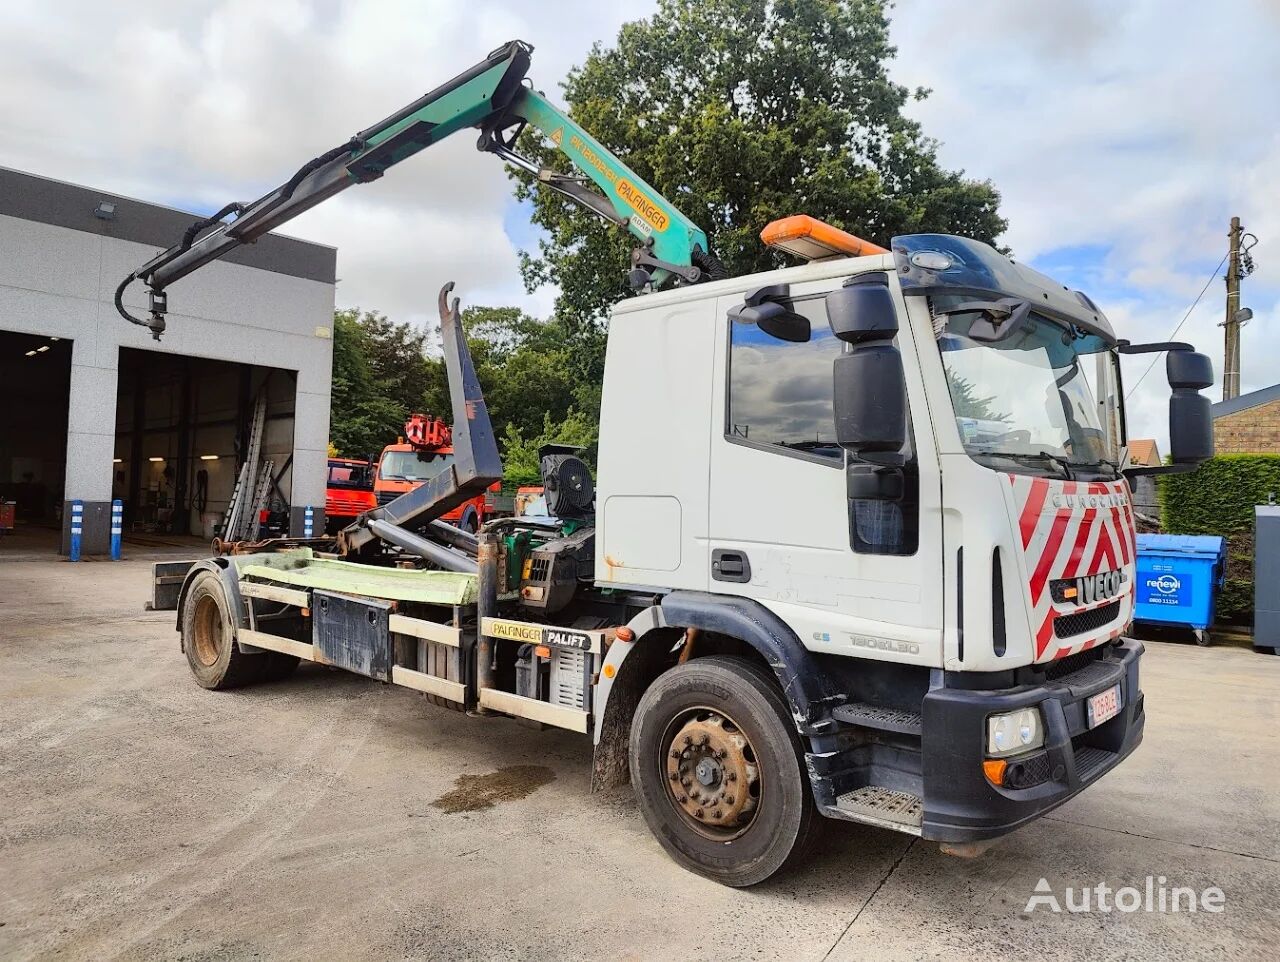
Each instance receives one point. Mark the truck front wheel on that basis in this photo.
(208, 638)
(716, 765)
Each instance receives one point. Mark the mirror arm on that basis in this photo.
(1126, 347)
(1159, 469)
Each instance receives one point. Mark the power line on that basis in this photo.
(1129, 393)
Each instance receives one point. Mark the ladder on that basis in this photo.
(240, 518)
(260, 498)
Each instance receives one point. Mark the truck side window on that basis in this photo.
(780, 400)
(780, 391)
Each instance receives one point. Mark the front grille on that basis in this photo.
(1072, 663)
(1065, 626)
(386, 497)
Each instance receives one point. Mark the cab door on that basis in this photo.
(851, 577)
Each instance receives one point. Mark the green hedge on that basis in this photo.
(1218, 498)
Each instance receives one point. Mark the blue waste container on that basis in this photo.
(1178, 579)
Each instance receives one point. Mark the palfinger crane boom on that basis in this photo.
(493, 97)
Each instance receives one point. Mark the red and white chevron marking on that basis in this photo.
(1068, 529)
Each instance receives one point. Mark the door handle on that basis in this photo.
(730, 565)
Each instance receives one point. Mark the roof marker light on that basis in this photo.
(932, 260)
(810, 239)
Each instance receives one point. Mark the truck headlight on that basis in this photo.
(1014, 732)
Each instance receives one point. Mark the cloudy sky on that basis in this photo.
(1122, 136)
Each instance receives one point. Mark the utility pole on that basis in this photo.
(1231, 327)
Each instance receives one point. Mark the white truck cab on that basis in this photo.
(903, 472)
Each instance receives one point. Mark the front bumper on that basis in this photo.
(960, 805)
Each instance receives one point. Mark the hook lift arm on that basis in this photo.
(492, 96)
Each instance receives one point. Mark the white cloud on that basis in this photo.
(1138, 129)
(201, 104)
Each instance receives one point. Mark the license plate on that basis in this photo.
(1104, 706)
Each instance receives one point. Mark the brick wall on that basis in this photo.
(1252, 431)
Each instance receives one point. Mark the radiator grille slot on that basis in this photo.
(1065, 626)
(1072, 663)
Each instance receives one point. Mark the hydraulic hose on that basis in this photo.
(708, 262)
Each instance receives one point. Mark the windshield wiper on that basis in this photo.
(1043, 456)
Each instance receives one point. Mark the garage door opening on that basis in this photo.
(183, 430)
(35, 383)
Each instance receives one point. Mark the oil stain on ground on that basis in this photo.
(474, 792)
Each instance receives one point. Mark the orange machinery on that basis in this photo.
(349, 491)
(425, 450)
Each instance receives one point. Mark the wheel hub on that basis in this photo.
(711, 772)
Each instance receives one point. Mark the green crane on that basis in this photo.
(492, 96)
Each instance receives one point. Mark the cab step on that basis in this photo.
(885, 807)
(879, 717)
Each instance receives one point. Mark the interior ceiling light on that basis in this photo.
(208, 457)
(155, 460)
(31, 353)
(42, 348)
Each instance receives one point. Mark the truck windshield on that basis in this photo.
(1043, 400)
(413, 465)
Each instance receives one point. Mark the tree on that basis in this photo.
(533, 372)
(379, 376)
(520, 453)
(740, 112)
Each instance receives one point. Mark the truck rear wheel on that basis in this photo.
(208, 637)
(715, 761)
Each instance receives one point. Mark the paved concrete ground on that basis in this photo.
(142, 817)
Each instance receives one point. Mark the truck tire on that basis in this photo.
(716, 765)
(208, 634)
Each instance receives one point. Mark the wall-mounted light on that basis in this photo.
(105, 211)
(42, 348)
(31, 353)
(117, 460)
(55, 338)
(155, 460)
(208, 457)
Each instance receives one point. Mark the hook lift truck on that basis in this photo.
(934, 642)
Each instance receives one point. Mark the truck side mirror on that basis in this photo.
(765, 307)
(1190, 417)
(868, 383)
(870, 402)
(862, 310)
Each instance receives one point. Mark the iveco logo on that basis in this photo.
(1097, 587)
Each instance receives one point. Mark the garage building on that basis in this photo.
(93, 408)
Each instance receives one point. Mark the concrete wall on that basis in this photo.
(1254, 430)
(59, 280)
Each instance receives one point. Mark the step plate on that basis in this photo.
(884, 719)
(882, 806)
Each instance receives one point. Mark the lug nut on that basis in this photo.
(688, 739)
(728, 800)
(675, 753)
(698, 814)
(716, 813)
(686, 782)
(682, 799)
(733, 776)
(675, 776)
